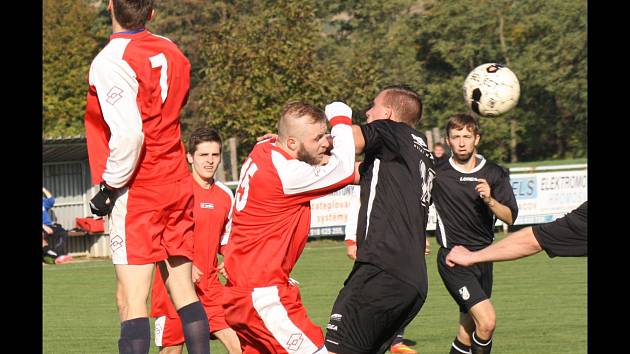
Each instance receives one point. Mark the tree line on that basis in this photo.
(249, 57)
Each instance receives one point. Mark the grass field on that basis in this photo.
(540, 304)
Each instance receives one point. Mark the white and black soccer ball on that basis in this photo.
(491, 90)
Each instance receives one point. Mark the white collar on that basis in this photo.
(477, 168)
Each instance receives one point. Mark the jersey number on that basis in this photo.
(247, 172)
(159, 61)
(427, 184)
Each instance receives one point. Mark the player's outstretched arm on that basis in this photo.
(519, 244)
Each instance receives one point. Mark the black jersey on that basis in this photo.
(396, 179)
(567, 236)
(462, 216)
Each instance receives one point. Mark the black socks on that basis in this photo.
(135, 337)
(196, 328)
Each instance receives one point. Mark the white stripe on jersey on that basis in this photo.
(268, 306)
(375, 168)
(117, 234)
(228, 224)
(159, 330)
(442, 231)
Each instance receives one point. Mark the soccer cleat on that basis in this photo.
(401, 348)
(63, 259)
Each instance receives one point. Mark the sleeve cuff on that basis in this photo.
(340, 120)
(350, 242)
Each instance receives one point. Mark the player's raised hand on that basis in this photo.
(338, 109)
(483, 188)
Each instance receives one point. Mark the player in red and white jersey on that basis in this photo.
(138, 85)
(270, 225)
(212, 204)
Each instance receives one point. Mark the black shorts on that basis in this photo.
(370, 309)
(468, 286)
(565, 237)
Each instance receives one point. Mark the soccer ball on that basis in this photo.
(491, 90)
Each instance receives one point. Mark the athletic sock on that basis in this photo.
(134, 336)
(480, 346)
(196, 328)
(459, 348)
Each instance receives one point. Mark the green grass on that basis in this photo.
(540, 303)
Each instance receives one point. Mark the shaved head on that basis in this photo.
(295, 117)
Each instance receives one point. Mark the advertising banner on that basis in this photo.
(542, 197)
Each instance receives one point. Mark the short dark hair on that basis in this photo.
(203, 135)
(405, 102)
(132, 14)
(461, 120)
(438, 144)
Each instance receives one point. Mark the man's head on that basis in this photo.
(399, 103)
(204, 153)
(462, 136)
(438, 149)
(302, 132)
(131, 14)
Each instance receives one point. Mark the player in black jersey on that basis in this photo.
(388, 283)
(564, 237)
(470, 193)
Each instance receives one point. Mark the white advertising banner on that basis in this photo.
(541, 197)
(329, 214)
(545, 196)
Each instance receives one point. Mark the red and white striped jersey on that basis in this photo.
(138, 85)
(271, 213)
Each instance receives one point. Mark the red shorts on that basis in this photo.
(150, 223)
(271, 320)
(168, 326)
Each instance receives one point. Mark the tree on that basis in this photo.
(72, 35)
(258, 56)
(545, 43)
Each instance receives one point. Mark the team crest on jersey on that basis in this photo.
(295, 341)
(463, 291)
(335, 317)
(206, 205)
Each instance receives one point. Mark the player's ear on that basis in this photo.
(151, 15)
(292, 143)
(477, 138)
(189, 157)
(389, 113)
(110, 5)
